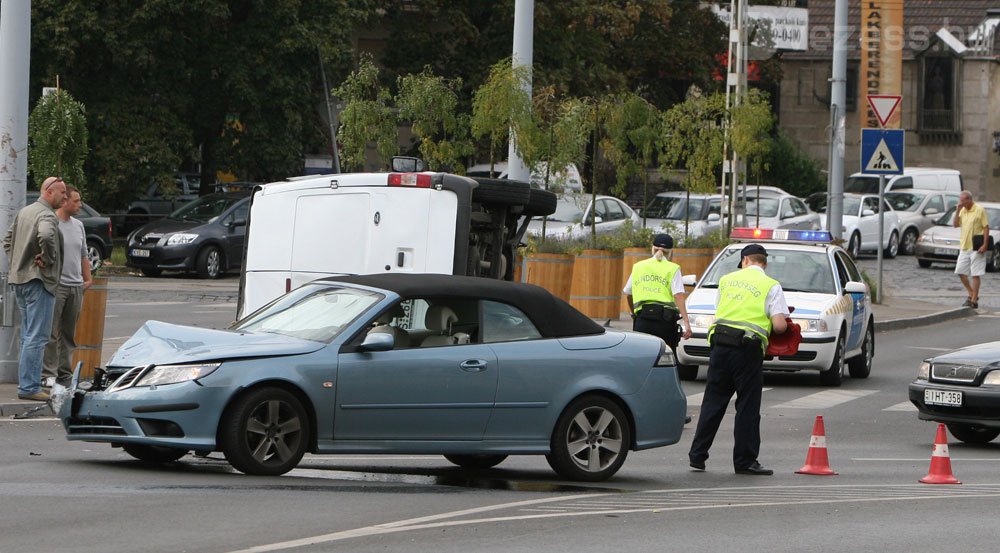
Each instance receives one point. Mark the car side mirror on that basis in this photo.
(689, 280)
(596, 220)
(855, 288)
(713, 217)
(931, 211)
(867, 213)
(788, 215)
(240, 223)
(378, 341)
(403, 164)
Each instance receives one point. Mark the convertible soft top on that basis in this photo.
(553, 317)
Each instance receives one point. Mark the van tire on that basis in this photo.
(540, 203)
(501, 192)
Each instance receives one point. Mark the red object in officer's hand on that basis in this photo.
(786, 343)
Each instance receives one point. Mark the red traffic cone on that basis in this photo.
(816, 460)
(940, 472)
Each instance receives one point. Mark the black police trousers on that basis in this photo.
(666, 331)
(732, 370)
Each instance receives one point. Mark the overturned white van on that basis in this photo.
(306, 228)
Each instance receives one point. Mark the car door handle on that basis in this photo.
(473, 365)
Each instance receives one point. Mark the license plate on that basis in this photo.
(943, 251)
(139, 253)
(943, 397)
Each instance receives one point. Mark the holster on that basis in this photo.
(729, 336)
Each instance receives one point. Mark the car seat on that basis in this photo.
(440, 319)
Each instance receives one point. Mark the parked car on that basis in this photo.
(157, 201)
(781, 212)
(923, 178)
(939, 244)
(831, 299)
(470, 368)
(205, 236)
(573, 217)
(961, 389)
(917, 210)
(702, 213)
(97, 228)
(860, 227)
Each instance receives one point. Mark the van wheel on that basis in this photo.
(540, 203)
(501, 192)
(209, 262)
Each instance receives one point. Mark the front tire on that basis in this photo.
(924, 264)
(151, 272)
(893, 248)
(861, 366)
(95, 254)
(854, 246)
(476, 461)
(154, 454)
(973, 434)
(909, 244)
(209, 262)
(687, 372)
(834, 375)
(265, 432)
(994, 265)
(591, 440)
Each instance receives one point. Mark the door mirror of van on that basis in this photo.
(867, 213)
(377, 341)
(931, 211)
(402, 164)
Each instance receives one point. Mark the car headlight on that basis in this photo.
(701, 320)
(924, 372)
(172, 374)
(992, 378)
(811, 325)
(181, 238)
(925, 239)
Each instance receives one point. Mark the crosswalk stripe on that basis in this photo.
(825, 399)
(694, 400)
(903, 406)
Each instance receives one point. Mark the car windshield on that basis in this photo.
(674, 207)
(905, 201)
(992, 214)
(312, 312)
(797, 271)
(568, 210)
(206, 208)
(851, 206)
(861, 185)
(765, 207)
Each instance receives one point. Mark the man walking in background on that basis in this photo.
(971, 265)
(74, 279)
(34, 248)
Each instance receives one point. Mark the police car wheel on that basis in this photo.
(973, 434)
(591, 440)
(687, 372)
(833, 375)
(861, 366)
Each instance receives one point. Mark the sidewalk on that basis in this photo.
(893, 314)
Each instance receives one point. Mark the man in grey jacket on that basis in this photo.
(34, 248)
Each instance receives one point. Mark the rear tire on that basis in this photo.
(154, 454)
(687, 372)
(476, 461)
(591, 440)
(973, 434)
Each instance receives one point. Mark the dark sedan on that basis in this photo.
(96, 226)
(205, 236)
(962, 389)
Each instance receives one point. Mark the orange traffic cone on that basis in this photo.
(816, 460)
(940, 472)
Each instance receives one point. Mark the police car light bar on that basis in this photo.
(783, 235)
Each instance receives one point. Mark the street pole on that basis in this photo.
(329, 115)
(15, 45)
(838, 110)
(523, 52)
(881, 235)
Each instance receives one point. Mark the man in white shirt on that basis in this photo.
(73, 280)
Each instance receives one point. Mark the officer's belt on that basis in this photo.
(741, 324)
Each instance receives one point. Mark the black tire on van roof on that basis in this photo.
(501, 192)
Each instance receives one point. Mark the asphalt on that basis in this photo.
(894, 313)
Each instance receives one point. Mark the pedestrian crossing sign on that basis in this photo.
(882, 151)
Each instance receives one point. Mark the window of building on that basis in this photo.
(938, 107)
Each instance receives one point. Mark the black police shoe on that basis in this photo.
(755, 469)
(697, 466)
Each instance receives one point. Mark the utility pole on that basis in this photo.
(736, 88)
(523, 52)
(838, 101)
(15, 46)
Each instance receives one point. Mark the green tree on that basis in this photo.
(750, 132)
(501, 105)
(57, 139)
(367, 116)
(633, 140)
(790, 168)
(430, 103)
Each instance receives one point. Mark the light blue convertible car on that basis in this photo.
(470, 368)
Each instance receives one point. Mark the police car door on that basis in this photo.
(848, 272)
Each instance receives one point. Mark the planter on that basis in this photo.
(89, 334)
(597, 286)
(552, 271)
(630, 257)
(520, 273)
(693, 261)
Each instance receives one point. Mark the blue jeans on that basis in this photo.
(35, 304)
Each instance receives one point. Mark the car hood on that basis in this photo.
(941, 231)
(979, 355)
(806, 304)
(164, 343)
(552, 228)
(166, 226)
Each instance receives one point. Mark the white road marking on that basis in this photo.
(903, 406)
(825, 399)
(652, 501)
(696, 399)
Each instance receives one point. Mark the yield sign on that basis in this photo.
(884, 106)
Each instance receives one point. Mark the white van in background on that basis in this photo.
(315, 226)
(922, 178)
(568, 179)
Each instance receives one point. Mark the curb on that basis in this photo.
(924, 320)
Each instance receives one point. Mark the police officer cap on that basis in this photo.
(750, 250)
(663, 241)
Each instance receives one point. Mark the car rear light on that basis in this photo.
(417, 180)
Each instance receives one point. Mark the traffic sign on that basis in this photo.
(882, 151)
(883, 106)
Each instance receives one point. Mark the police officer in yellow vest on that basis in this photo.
(655, 295)
(751, 305)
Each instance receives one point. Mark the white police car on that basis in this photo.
(831, 300)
